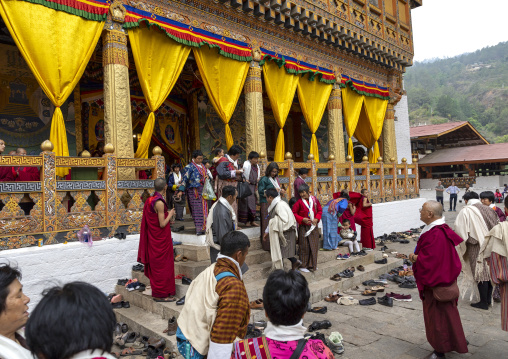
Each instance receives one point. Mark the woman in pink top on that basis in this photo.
(285, 298)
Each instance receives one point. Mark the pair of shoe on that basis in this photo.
(172, 326)
(317, 325)
(370, 301)
(407, 284)
(122, 281)
(361, 268)
(333, 297)
(385, 300)
(318, 310)
(348, 273)
(120, 235)
(336, 277)
(335, 343)
(400, 297)
(257, 304)
(343, 256)
(373, 282)
(120, 329)
(127, 337)
(381, 261)
(138, 267)
(121, 304)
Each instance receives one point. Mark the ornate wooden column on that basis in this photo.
(254, 117)
(335, 126)
(117, 98)
(389, 139)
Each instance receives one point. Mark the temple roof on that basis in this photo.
(497, 152)
(435, 130)
(453, 132)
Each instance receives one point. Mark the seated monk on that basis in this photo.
(6, 172)
(26, 174)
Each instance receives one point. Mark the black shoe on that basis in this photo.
(116, 305)
(181, 301)
(200, 233)
(381, 261)
(252, 332)
(122, 282)
(346, 274)
(319, 310)
(370, 301)
(125, 304)
(138, 267)
(362, 253)
(373, 282)
(385, 301)
(404, 241)
(178, 229)
(317, 325)
(384, 248)
(480, 305)
(407, 284)
(186, 281)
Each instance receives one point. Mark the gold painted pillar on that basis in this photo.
(254, 116)
(335, 126)
(77, 119)
(389, 140)
(117, 104)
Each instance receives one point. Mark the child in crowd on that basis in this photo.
(219, 153)
(308, 212)
(348, 238)
(499, 196)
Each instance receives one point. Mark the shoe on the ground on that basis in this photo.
(319, 310)
(480, 305)
(400, 297)
(336, 277)
(252, 332)
(181, 301)
(381, 261)
(347, 274)
(262, 323)
(373, 282)
(369, 293)
(333, 297)
(434, 356)
(296, 264)
(361, 268)
(387, 301)
(335, 343)
(370, 301)
(304, 270)
(347, 301)
(346, 256)
(339, 256)
(317, 325)
(257, 304)
(186, 281)
(407, 284)
(172, 326)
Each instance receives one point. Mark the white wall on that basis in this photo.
(402, 130)
(101, 265)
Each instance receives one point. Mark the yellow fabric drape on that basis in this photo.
(313, 97)
(281, 88)
(223, 79)
(352, 106)
(365, 136)
(159, 61)
(57, 47)
(375, 110)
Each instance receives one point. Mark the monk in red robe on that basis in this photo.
(156, 245)
(26, 174)
(6, 173)
(437, 264)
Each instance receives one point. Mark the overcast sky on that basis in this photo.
(446, 28)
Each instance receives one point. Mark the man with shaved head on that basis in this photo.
(436, 266)
(156, 245)
(26, 174)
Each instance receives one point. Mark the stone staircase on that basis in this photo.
(150, 318)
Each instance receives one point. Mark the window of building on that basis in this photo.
(403, 11)
(374, 2)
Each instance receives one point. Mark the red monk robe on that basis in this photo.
(362, 217)
(156, 250)
(438, 265)
(27, 174)
(6, 174)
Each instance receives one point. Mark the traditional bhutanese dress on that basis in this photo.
(192, 183)
(226, 176)
(308, 244)
(264, 184)
(247, 206)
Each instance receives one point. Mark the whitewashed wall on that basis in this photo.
(402, 130)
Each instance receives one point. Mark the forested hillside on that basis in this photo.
(471, 87)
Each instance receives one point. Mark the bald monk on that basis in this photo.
(436, 265)
(26, 174)
(156, 246)
(6, 172)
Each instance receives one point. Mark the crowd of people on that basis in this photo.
(9, 174)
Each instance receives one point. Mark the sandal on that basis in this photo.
(185, 259)
(130, 351)
(368, 292)
(178, 258)
(336, 277)
(164, 300)
(377, 288)
(257, 304)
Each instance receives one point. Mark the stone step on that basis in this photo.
(319, 289)
(148, 324)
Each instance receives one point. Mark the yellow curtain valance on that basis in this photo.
(159, 62)
(223, 79)
(57, 47)
(313, 97)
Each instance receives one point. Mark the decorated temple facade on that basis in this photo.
(316, 84)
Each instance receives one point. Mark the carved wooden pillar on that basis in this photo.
(117, 101)
(335, 126)
(254, 117)
(389, 139)
(110, 177)
(77, 119)
(48, 189)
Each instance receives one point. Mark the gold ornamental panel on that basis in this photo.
(136, 162)
(80, 162)
(24, 161)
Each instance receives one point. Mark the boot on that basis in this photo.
(489, 294)
(483, 288)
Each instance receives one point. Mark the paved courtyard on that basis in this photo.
(379, 332)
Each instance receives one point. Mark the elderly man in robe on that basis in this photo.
(156, 245)
(281, 231)
(495, 252)
(473, 223)
(436, 266)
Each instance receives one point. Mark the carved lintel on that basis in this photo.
(117, 12)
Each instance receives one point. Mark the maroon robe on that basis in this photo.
(438, 265)
(346, 215)
(6, 174)
(363, 216)
(296, 185)
(156, 250)
(27, 174)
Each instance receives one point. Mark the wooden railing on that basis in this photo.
(385, 182)
(52, 211)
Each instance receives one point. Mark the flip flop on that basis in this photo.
(130, 351)
(164, 300)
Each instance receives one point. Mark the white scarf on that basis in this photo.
(247, 168)
(228, 206)
(429, 226)
(177, 177)
(197, 164)
(235, 163)
(310, 206)
(285, 333)
(9, 349)
(209, 222)
(274, 203)
(274, 182)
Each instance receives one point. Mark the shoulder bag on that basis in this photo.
(446, 294)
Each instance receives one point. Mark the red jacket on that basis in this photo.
(301, 211)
